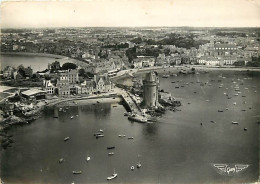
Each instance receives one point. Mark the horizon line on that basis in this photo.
(129, 27)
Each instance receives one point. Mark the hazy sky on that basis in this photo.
(105, 13)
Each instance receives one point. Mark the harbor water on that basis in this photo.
(179, 148)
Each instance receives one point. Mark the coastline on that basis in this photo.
(33, 54)
(6, 123)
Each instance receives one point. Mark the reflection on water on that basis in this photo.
(176, 149)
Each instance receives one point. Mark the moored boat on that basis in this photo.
(66, 138)
(100, 135)
(234, 122)
(113, 176)
(132, 167)
(61, 160)
(111, 147)
(76, 172)
(111, 153)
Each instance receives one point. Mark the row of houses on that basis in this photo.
(66, 86)
(220, 61)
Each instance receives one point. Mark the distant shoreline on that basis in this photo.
(34, 54)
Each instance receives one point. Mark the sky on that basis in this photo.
(130, 13)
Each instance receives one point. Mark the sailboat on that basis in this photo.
(113, 176)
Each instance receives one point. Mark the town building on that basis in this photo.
(49, 87)
(54, 66)
(34, 94)
(103, 83)
(88, 87)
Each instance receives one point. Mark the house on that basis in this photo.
(213, 61)
(73, 76)
(54, 66)
(49, 87)
(229, 60)
(103, 83)
(137, 63)
(225, 49)
(63, 85)
(144, 61)
(88, 87)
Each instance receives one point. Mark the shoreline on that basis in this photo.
(11, 121)
(34, 54)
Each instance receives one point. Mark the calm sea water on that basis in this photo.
(175, 149)
(37, 63)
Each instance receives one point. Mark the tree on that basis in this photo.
(21, 70)
(81, 72)
(67, 66)
(131, 54)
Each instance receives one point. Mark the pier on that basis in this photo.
(129, 101)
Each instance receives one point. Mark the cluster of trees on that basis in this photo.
(67, 66)
(131, 54)
(117, 46)
(231, 34)
(186, 41)
(23, 72)
(83, 74)
(254, 63)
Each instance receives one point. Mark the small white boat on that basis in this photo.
(138, 165)
(88, 158)
(101, 130)
(76, 172)
(132, 168)
(100, 135)
(234, 122)
(71, 117)
(234, 103)
(111, 153)
(119, 135)
(113, 176)
(123, 135)
(66, 138)
(61, 160)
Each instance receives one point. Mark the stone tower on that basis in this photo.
(150, 90)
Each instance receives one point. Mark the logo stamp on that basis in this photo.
(229, 169)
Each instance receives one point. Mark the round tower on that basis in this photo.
(150, 90)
